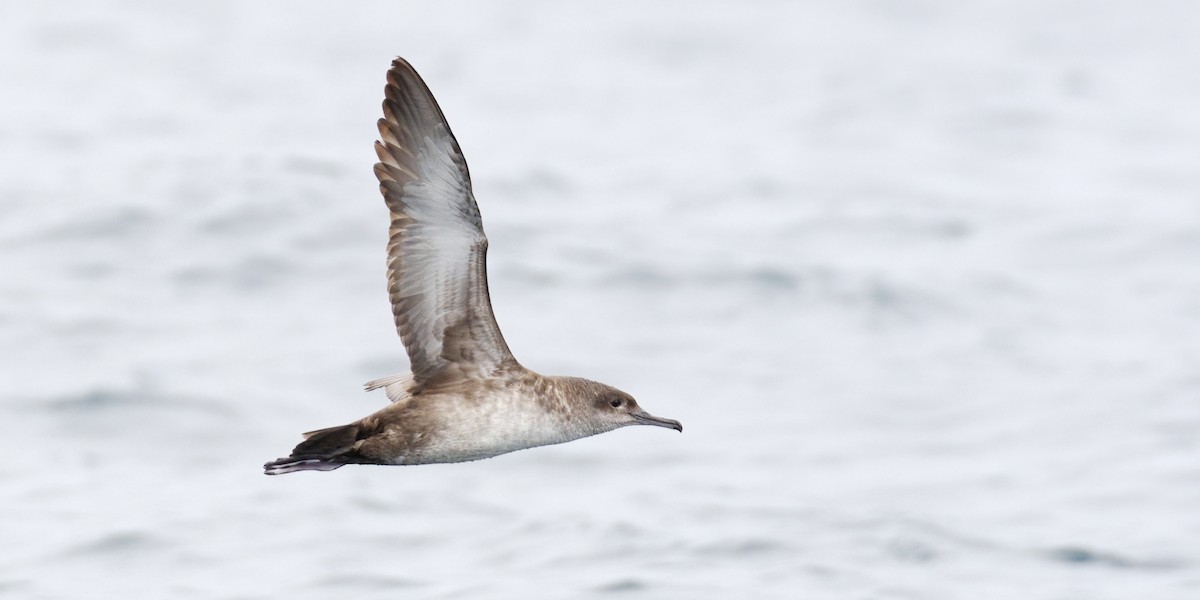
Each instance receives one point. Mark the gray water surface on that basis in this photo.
(921, 280)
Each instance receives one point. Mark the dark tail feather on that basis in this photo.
(321, 450)
(291, 465)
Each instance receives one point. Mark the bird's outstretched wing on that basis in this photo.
(437, 273)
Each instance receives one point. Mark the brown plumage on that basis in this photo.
(466, 397)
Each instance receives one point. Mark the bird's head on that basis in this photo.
(607, 408)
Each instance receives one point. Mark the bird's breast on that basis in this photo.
(471, 429)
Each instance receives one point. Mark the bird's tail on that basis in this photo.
(292, 464)
(321, 450)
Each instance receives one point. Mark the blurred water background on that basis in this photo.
(921, 279)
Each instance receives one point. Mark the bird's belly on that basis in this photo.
(474, 436)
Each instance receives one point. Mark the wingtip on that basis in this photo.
(400, 68)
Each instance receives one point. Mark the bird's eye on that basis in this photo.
(615, 403)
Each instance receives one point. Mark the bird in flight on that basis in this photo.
(466, 397)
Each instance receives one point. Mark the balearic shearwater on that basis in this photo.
(466, 397)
